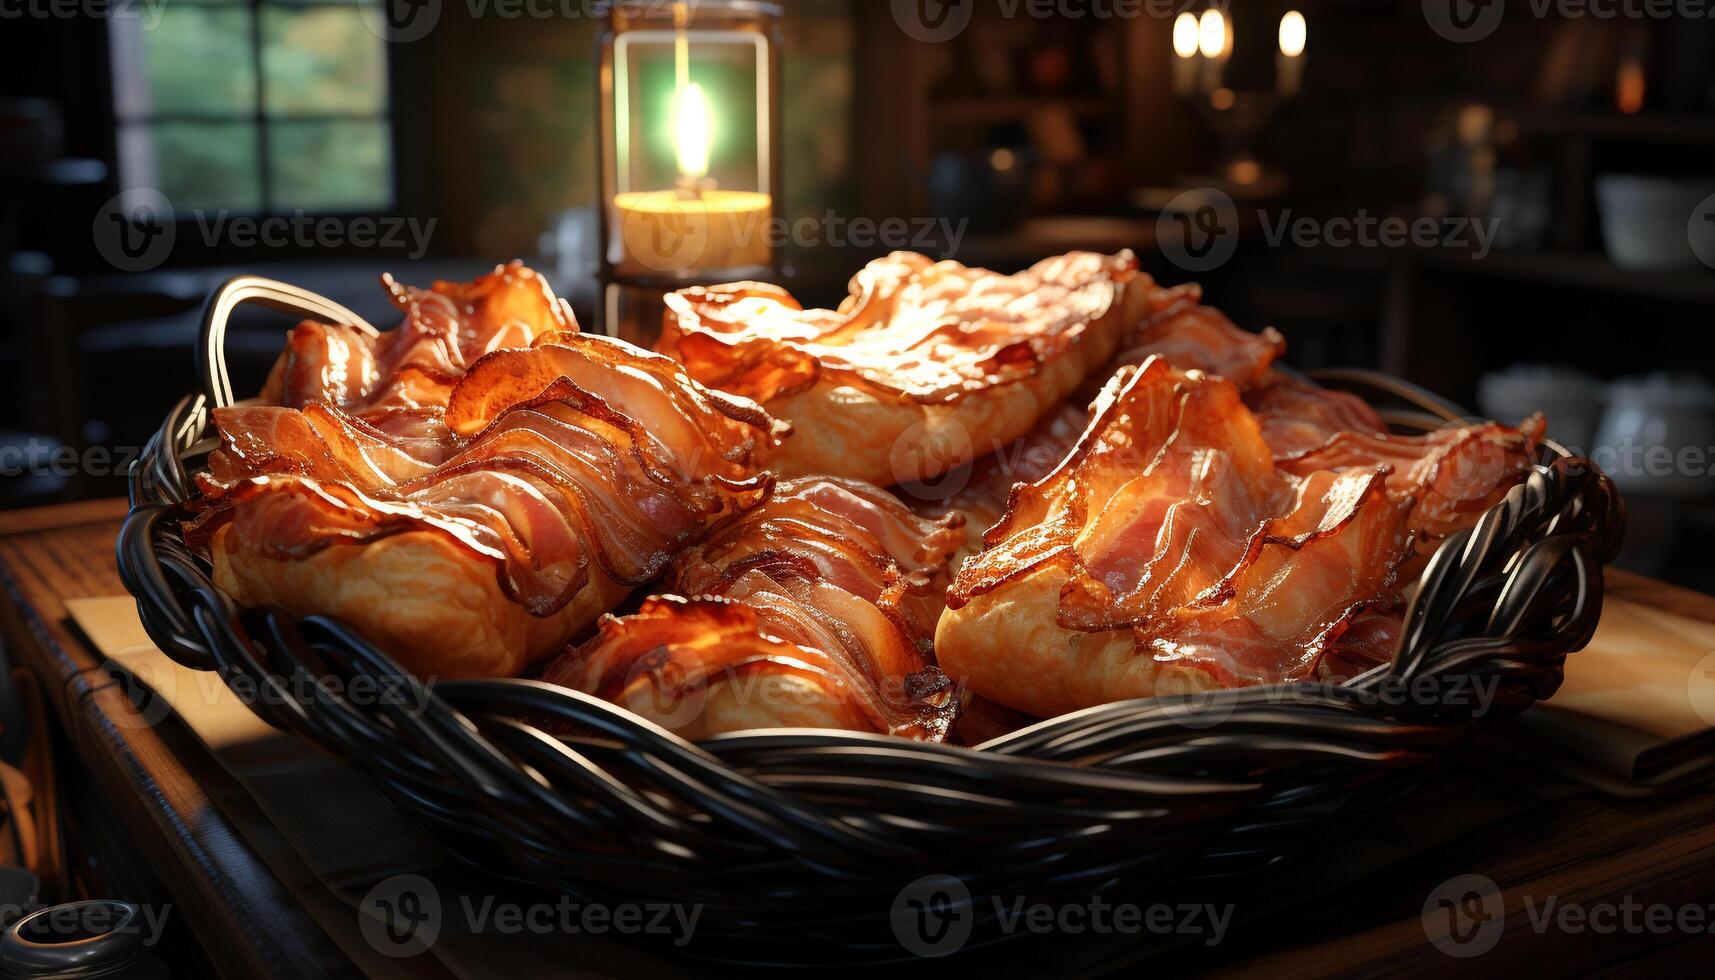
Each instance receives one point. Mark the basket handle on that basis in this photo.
(269, 294)
(1414, 395)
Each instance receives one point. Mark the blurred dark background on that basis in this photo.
(1581, 145)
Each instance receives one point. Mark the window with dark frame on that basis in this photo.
(263, 106)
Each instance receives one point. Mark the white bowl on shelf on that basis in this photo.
(1657, 438)
(1655, 223)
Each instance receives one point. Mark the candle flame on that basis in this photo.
(1185, 35)
(692, 128)
(1293, 33)
(1212, 33)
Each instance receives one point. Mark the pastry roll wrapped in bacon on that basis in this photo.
(815, 609)
(557, 478)
(1167, 554)
(924, 367)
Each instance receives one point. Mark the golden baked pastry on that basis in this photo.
(924, 367)
(815, 609)
(1165, 555)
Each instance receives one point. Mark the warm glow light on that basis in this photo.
(1185, 35)
(692, 126)
(1629, 87)
(1212, 33)
(1003, 160)
(1293, 32)
(1223, 98)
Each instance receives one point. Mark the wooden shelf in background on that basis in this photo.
(1579, 270)
(1672, 129)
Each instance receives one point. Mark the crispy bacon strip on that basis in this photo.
(579, 449)
(1330, 559)
(924, 331)
(1193, 337)
(1298, 416)
(1451, 476)
(831, 581)
(447, 328)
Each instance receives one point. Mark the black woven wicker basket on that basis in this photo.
(797, 844)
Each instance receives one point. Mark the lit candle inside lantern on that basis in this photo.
(695, 225)
(1185, 54)
(1215, 42)
(1289, 63)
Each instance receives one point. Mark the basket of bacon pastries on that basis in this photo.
(1057, 584)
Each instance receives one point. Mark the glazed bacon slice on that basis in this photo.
(1330, 559)
(1169, 523)
(447, 328)
(1449, 477)
(924, 367)
(816, 608)
(580, 452)
(1194, 337)
(1298, 416)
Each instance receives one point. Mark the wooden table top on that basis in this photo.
(1596, 856)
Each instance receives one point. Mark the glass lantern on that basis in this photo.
(690, 168)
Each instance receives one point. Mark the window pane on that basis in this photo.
(196, 165)
(195, 60)
(330, 165)
(322, 60)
